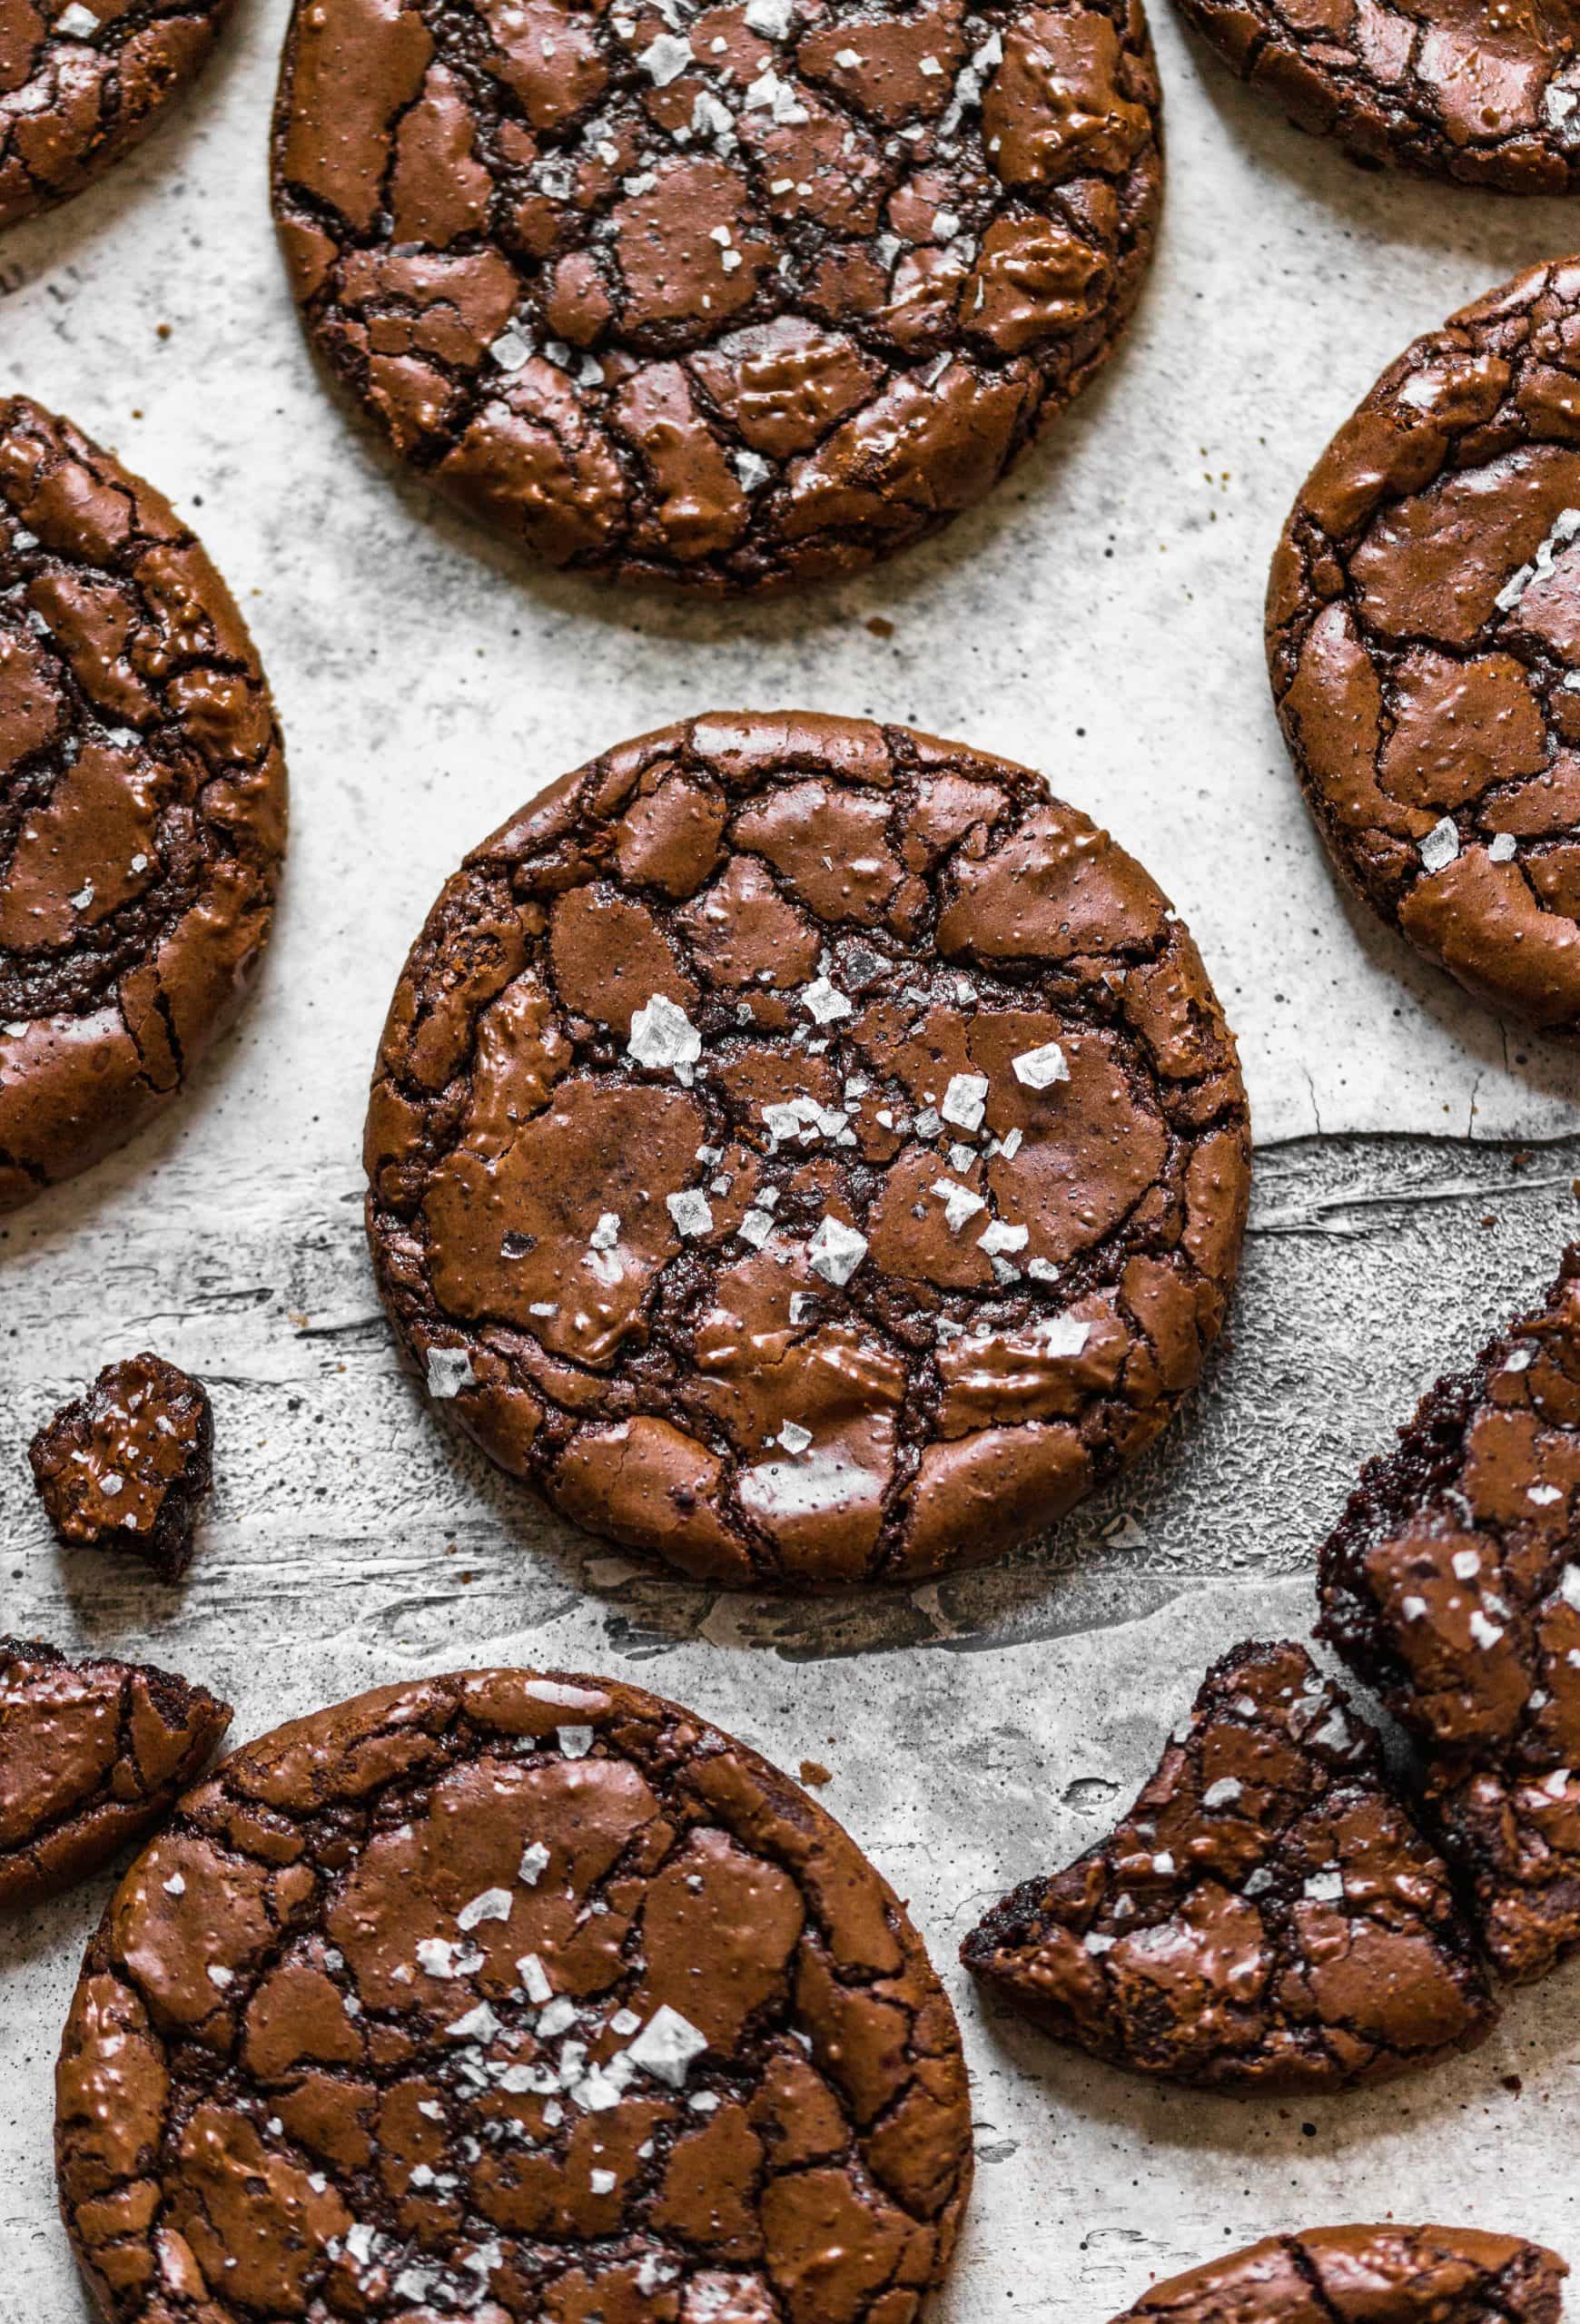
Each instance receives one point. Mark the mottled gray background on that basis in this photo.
(1100, 618)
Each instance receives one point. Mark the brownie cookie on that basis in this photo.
(1424, 640)
(80, 87)
(729, 296)
(807, 1150)
(518, 1997)
(142, 802)
(1367, 2275)
(93, 1754)
(1452, 1586)
(1487, 96)
(126, 1466)
(1266, 1918)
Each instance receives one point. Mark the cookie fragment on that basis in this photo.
(81, 86)
(1367, 2275)
(1424, 644)
(731, 297)
(141, 803)
(1266, 1918)
(92, 1755)
(1451, 1586)
(536, 1991)
(126, 1466)
(807, 1150)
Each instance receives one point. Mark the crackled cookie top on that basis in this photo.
(1367, 2275)
(142, 802)
(81, 85)
(732, 295)
(807, 1149)
(1424, 640)
(125, 1466)
(92, 1755)
(1267, 1916)
(1452, 1584)
(509, 1997)
(1456, 89)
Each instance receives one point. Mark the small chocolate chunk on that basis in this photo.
(806, 1150)
(509, 1997)
(142, 802)
(126, 1466)
(734, 301)
(1266, 1918)
(1422, 632)
(1452, 1587)
(1367, 2275)
(92, 1756)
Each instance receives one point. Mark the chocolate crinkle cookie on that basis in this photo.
(141, 803)
(127, 1465)
(80, 86)
(1367, 2275)
(1424, 640)
(93, 1754)
(807, 1150)
(509, 1997)
(728, 296)
(1452, 1585)
(1266, 1918)
(1486, 96)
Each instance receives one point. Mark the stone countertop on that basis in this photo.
(1101, 616)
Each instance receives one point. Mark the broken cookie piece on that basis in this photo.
(126, 1466)
(92, 1755)
(1367, 2275)
(1452, 1587)
(1267, 1916)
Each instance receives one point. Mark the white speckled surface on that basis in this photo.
(1100, 618)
